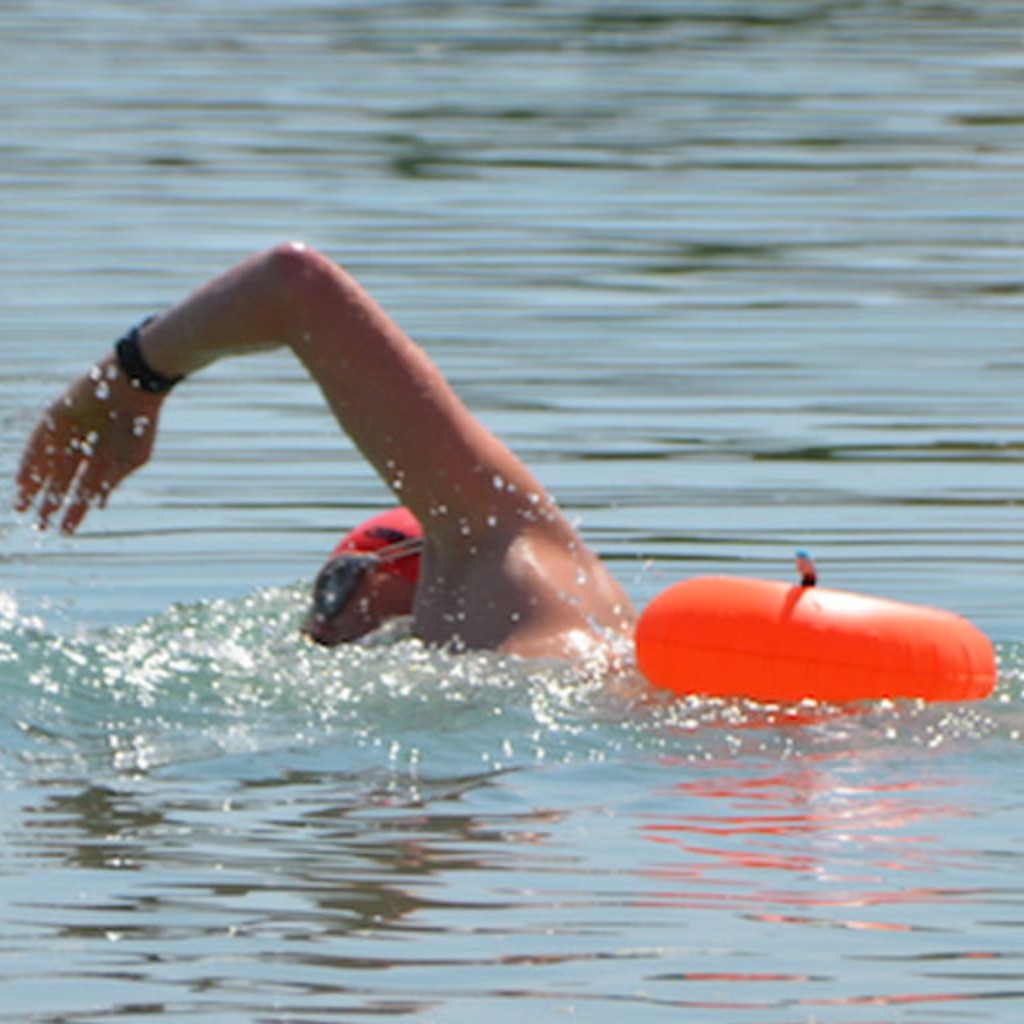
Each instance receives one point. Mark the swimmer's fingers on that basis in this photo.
(91, 489)
(32, 473)
(73, 517)
(59, 483)
(47, 468)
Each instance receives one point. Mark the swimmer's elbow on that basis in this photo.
(306, 288)
(295, 265)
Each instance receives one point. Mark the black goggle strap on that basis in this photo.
(404, 548)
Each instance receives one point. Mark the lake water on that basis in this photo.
(735, 278)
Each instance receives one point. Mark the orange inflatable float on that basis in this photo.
(776, 642)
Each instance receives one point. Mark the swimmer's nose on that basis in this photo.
(309, 632)
(315, 629)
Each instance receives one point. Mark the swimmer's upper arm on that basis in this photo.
(463, 483)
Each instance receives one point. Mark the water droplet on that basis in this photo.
(102, 390)
(139, 426)
(499, 482)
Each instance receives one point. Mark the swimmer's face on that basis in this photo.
(352, 596)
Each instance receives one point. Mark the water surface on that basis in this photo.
(735, 279)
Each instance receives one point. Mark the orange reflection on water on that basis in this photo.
(772, 845)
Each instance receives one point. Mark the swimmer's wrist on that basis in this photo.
(136, 368)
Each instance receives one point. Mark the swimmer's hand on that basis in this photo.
(99, 431)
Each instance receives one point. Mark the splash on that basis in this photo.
(219, 679)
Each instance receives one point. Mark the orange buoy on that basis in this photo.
(772, 641)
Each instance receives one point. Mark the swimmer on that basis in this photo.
(500, 567)
(370, 577)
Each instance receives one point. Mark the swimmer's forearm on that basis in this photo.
(237, 312)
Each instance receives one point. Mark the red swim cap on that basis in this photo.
(397, 528)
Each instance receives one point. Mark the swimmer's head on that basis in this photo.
(371, 576)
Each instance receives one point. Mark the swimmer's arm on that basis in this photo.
(456, 476)
(386, 393)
